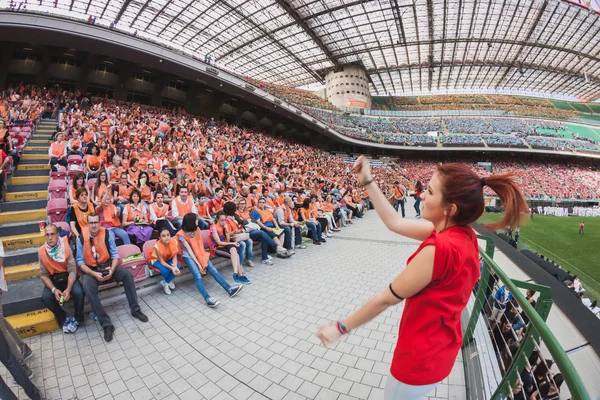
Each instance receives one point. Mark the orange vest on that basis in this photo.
(197, 246)
(124, 190)
(265, 215)
(159, 212)
(58, 149)
(88, 136)
(183, 209)
(94, 161)
(146, 193)
(132, 213)
(109, 217)
(99, 242)
(203, 210)
(166, 252)
(52, 266)
(101, 190)
(82, 215)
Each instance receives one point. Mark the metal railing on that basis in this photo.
(496, 356)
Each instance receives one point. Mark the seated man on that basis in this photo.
(59, 275)
(283, 216)
(97, 256)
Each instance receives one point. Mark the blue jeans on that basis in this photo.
(315, 230)
(202, 224)
(120, 233)
(162, 223)
(195, 270)
(177, 223)
(245, 250)
(265, 242)
(418, 205)
(287, 241)
(164, 271)
(77, 295)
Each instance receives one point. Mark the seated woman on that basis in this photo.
(110, 217)
(78, 181)
(221, 239)
(93, 163)
(242, 216)
(330, 210)
(133, 173)
(79, 211)
(57, 153)
(143, 185)
(121, 191)
(74, 144)
(197, 259)
(163, 256)
(136, 219)
(245, 249)
(159, 214)
(312, 224)
(317, 213)
(101, 187)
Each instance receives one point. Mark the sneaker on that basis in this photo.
(212, 303)
(244, 280)
(291, 252)
(165, 286)
(67, 325)
(236, 278)
(267, 261)
(283, 253)
(300, 246)
(171, 285)
(317, 242)
(73, 325)
(26, 352)
(269, 257)
(108, 333)
(235, 290)
(323, 240)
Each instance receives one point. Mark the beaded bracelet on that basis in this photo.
(343, 330)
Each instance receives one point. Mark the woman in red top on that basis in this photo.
(438, 278)
(418, 193)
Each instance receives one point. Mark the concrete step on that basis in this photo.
(26, 180)
(23, 241)
(37, 157)
(28, 205)
(20, 228)
(33, 195)
(28, 187)
(12, 217)
(33, 323)
(33, 166)
(35, 161)
(23, 296)
(33, 172)
(18, 257)
(38, 142)
(35, 150)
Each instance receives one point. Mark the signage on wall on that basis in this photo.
(355, 100)
(212, 70)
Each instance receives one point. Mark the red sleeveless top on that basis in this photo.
(430, 334)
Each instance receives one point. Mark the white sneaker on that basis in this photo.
(171, 285)
(165, 287)
(269, 257)
(267, 261)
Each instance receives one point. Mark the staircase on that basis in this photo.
(25, 207)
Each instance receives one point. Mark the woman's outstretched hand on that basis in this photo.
(328, 334)
(362, 169)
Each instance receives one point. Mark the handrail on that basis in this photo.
(561, 359)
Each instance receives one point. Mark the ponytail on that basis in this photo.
(463, 188)
(512, 199)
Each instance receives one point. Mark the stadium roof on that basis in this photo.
(409, 47)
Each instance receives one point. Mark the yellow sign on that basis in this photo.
(33, 167)
(37, 195)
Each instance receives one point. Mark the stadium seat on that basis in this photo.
(75, 159)
(91, 183)
(57, 210)
(57, 189)
(137, 267)
(150, 270)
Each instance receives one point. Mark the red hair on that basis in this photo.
(463, 188)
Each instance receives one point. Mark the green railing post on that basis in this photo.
(536, 330)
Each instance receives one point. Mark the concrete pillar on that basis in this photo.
(120, 92)
(157, 95)
(42, 78)
(349, 88)
(88, 65)
(6, 54)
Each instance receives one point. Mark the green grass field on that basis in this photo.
(558, 239)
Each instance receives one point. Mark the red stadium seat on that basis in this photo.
(58, 175)
(75, 159)
(57, 210)
(137, 267)
(91, 183)
(57, 189)
(150, 270)
(63, 226)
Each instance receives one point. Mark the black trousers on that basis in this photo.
(12, 365)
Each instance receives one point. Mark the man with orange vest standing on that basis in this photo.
(399, 193)
(59, 275)
(98, 259)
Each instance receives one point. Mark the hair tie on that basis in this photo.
(483, 182)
